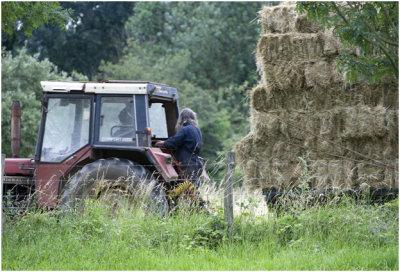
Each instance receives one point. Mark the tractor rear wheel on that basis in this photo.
(116, 182)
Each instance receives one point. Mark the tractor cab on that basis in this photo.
(109, 115)
(83, 122)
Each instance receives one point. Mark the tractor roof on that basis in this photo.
(110, 87)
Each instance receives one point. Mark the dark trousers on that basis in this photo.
(193, 173)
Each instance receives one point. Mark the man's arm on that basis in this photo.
(175, 141)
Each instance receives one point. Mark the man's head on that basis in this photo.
(187, 116)
(125, 116)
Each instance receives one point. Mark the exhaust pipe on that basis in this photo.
(15, 129)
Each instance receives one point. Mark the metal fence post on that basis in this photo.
(3, 158)
(228, 188)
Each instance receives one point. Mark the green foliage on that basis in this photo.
(372, 27)
(211, 234)
(21, 76)
(94, 33)
(220, 38)
(28, 16)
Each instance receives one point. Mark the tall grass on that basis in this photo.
(342, 236)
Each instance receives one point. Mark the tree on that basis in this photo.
(372, 27)
(220, 38)
(28, 16)
(21, 76)
(94, 33)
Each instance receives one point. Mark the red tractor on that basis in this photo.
(96, 139)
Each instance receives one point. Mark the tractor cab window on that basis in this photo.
(117, 120)
(66, 129)
(158, 121)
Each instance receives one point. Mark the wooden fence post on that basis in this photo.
(228, 188)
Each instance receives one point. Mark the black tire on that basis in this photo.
(99, 178)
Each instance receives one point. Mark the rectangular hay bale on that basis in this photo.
(284, 75)
(332, 45)
(284, 18)
(266, 125)
(391, 178)
(385, 94)
(278, 93)
(322, 74)
(363, 121)
(376, 148)
(371, 174)
(331, 174)
(294, 47)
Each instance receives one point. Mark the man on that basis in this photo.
(186, 144)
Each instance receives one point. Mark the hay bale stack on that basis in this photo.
(304, 108)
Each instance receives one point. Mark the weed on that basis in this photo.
(211, 234)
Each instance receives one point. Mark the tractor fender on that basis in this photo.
(163, 163)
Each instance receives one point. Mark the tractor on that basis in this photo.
(97, 139)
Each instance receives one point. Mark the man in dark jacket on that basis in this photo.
(186, 144)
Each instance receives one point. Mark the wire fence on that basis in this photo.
(228, 194)
(239, 181)
(277, 170)
(236, 196)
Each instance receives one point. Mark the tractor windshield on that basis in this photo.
(66, 129)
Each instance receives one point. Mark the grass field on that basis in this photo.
(329, 237)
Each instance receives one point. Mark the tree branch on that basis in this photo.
(377, 34)
(384, 50)
(340, 13)
(385, 11)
